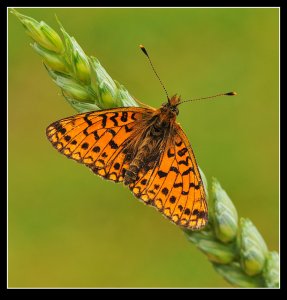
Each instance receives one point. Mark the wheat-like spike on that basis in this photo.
(84, 82)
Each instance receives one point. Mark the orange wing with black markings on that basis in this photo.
(97, 139)
(164, 174)
(174, 186)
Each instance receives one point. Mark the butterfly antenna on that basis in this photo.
(146, 54)
(214, 96)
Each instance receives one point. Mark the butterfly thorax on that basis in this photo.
(149, 145)
(165, 116)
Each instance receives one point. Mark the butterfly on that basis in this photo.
(143, 147)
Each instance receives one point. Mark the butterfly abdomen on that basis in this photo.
(147, 153)
(143, 157)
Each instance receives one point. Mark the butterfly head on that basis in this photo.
(170, 107)
(174, 101)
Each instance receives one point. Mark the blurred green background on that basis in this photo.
(69, 228)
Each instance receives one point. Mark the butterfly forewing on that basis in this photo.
(97, 139)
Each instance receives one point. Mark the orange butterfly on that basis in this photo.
(144, 148)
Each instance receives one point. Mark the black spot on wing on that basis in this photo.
(62, 130)
(124, 116)
(187, 171)
(104, 155)
(85, 146)
(67, 138)
(114, 119)
(164, 191)
(161, 174)
(200, 214)
(89, 122)
(187, 211)
(117, 166)
(96, 149)
(169, 153)
(172, 199)
(113, 145)
(182, 152)
(184, 162)
(192, 185)
(176, 185)
(96, 136)
(104, 120)
(174, 169)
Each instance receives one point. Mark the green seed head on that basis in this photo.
(41, 33)
(271, 270)
(77, 58)
(234, 274)
(73, 89)
(107, 89)
(81, 66)
(253, 250)
(224, 214)
(214, 250)
(51, 59)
